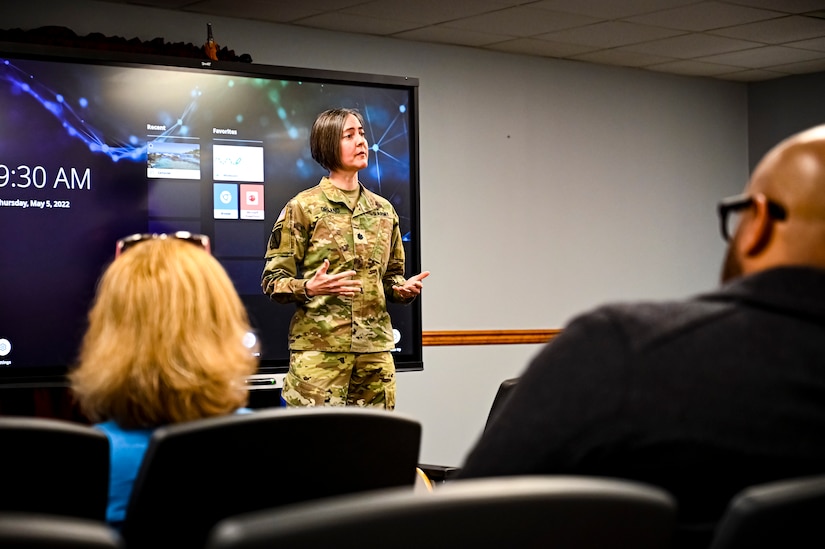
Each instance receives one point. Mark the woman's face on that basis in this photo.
(353, 146)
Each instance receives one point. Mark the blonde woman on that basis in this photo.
(166, 343)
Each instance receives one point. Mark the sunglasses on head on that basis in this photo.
(127, 242)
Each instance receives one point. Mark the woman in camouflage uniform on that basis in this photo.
(336, 252)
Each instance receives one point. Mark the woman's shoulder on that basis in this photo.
(116, 433)
(307, 195)
(377, 200)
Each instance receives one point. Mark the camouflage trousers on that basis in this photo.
(318, 378)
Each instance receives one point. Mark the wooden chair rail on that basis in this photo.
(487, 337)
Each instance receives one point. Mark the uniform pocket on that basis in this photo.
(381, 253)
(389, 396)
(297, 392)
(329, 239)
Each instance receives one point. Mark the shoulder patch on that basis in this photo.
(275, 236)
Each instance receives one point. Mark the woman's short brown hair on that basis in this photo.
(325, 137)
(165, 341)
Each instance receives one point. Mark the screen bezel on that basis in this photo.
(55, 375)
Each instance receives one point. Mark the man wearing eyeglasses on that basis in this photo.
(702, 397)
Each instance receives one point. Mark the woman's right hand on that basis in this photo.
(337, 284)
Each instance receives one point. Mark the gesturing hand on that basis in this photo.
(337, 284)
(413, 286)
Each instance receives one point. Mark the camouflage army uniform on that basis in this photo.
(326, 330)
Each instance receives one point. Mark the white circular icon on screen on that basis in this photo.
(226, 197)
(396, 336)
(250, 340)
(5, 347)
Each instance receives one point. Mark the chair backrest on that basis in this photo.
(785, 513)
(36, 531)
(560, 512)
(504, 390)
(54, 467)
(199, 472)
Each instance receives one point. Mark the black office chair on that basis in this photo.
(37, 531)
(559, 512)
(53, 466)
(199, 472)
(785, 513)
(505, 389)
(440, 474)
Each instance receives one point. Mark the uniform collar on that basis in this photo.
(366, 201)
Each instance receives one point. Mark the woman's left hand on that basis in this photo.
(412, 287)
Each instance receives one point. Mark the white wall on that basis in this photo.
(547, 186)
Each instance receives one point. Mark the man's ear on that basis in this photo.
(756, 234)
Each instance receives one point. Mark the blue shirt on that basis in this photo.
(126, 450)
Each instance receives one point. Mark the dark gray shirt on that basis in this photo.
(702, 397)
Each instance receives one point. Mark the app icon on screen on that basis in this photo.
(252, 205)
(226, 201)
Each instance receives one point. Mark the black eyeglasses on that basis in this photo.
(730, 208)
(128, 241)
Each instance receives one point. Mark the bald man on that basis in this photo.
(702, 397)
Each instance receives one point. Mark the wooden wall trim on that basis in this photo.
(487, 337)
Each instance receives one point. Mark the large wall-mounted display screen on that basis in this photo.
(93, 149)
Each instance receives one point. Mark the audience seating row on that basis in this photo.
(285, 477)
(562, 512)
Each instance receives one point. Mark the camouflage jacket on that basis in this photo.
(316, 225)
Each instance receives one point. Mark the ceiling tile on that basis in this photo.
(168, 4)
(610, 9)
(766, 56)
(817, 44)
(693, 68)
(445, 35)
(268, 6)
(778, 31)
(262, 11)
(424, 11)
(691, 45)
(610, 34)
(522, 21)
(623, 58)
(785, 6)
(320, 5)
(503, 3)
(531, 46)
(803, 67)
(751, 75)
(355, 23)
(704, 16)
